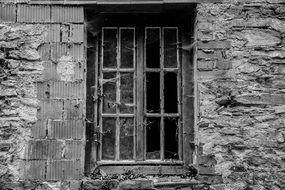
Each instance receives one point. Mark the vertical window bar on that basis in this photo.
(179, 90)
(118, 99)
(162, 138)
(101, 95)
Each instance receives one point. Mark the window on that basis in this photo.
(143, 111)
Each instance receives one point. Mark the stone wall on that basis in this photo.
(241, 67)
(240, 71)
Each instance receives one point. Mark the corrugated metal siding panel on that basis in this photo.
(44, 51)
(77, 51)
(34, 169)
(77, 33)
(73, 109)
(71, 129)
(66, 90)
(33, 13)
(75, 149)
(53, 33)
(64, 169)
(8, 12)
(58, 50)
(50, 109)
(44, 149)
(39, 129)
(67, 14)
(50, 72)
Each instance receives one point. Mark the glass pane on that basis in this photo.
(127, 93)
(170, 48)
(108, 138)
(109, 92)
(153, 48)
(153, 138)
(170, 93)
(171, 131)
(153, 92)
(127, 48)
(110, 48)
(126, 138)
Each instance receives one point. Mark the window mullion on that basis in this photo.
(140, 149)
(118, 97)
(161, 96)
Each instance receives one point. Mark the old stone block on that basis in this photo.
(214, 45)
(44, 149)
(71, 129)
(77, 33)
(33, 13)
(210, 179)
(64, 170)
(26, 54)
(223, 65)
(34, 169)
(260, 38)
(8, 12)
(136, 184)
(64, 14)
(50, 109)
(205, 65)
(73, 109)
(274, 99)
(279, 109)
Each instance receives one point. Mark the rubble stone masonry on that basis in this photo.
(240, 78)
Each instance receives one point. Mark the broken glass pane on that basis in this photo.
(170, 48)
(153, 92)
(171, 131)
(127, 48)
(108, 138)
(109, 92)
(153, 48)
(153, 138)
(126, 138)
(170, 92)
(127, 92)
(110, 48)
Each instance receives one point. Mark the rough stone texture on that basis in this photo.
(240, 76)
(241, 109)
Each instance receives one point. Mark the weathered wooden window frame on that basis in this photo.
(170, 167)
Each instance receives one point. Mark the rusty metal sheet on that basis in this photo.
(53, 33)
(50, 109)
(34, 169)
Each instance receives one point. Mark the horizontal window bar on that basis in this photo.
(164, 69)
(115, 70)
(147, 162)
(163, 115)
(117, 115)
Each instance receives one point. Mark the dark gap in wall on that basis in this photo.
(153, 138)
(170, 92)
(153, 48)
(171, 138)
(90, 82)
(153, 92)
